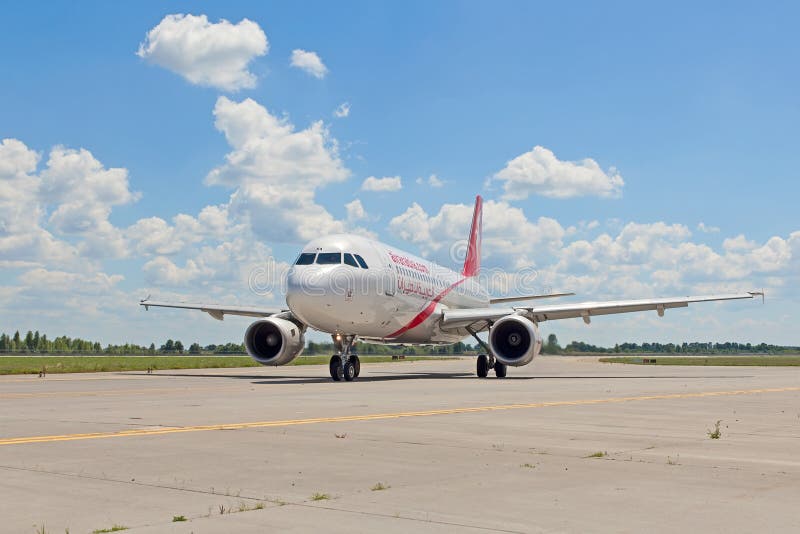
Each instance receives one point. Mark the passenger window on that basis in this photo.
(361, 261)
(306, 258)
(350, 260)
(329, 258)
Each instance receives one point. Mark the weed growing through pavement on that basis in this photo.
(320, 497)
(716, 433)
(380, 486)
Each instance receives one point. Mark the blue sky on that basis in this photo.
(694, 108)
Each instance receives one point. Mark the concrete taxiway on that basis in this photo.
(564, 444)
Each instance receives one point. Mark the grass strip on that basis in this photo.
(20, 365)
(715, 361)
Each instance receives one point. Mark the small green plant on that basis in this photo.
(671, 461)
(320, 497)
(41, 530)
(221, 509)
(380, 486)
(178, 518)
(716, 433)
(598, 454)
(259, 506)
(114, 528)
(528, 466)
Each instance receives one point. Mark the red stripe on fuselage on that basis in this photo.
(425, 313)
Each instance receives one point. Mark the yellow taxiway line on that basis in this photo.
(381, 416)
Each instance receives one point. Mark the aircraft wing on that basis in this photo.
(502, 300)
(480, 318)
(217, 311)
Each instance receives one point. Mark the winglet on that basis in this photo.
(757, 293)
(472, 263)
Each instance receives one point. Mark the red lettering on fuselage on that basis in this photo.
(408, 262)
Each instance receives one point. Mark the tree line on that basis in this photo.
(729, 347)
(33, 342)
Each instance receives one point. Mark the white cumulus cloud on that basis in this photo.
(342, 111)
(75, 189)
(211, 54)
(432, 181)
(386, 184)
(355, 210)
(309, 62)
(275, 170)
(540, 172)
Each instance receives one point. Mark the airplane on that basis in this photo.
(352, 287)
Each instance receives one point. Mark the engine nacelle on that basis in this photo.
(514, 340)
(274, 341)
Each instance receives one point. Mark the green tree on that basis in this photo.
(552, 347)
(194, 348)
(29, 341)
(179, 347)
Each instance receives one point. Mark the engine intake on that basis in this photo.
(514, 340)
(274, 341)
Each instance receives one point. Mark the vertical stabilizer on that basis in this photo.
(472, 263)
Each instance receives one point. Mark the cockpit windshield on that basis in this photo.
(306, 258)
(361, 261)
(329, 258)
(350, 260)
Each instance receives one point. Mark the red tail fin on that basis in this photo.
(472, 263)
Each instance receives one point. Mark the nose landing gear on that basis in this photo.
(345, 365)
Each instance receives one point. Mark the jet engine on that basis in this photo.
(514, 340)
(274, 341)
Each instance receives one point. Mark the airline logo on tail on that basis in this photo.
(472, 263)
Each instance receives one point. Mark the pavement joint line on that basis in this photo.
(379, 416)
(277, 503)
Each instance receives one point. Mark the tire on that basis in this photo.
(500, 369)
(357, 364)
(483, 366)
(335, 367)
(349, 370)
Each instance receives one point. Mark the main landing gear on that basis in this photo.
(488, 362)
(344, 365)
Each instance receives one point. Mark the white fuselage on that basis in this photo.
(397, 298)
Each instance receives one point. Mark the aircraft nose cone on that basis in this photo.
(306, 293)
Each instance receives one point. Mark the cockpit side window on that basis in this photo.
(306, 258)
(350, 260)
(361, 261)
(329, 258)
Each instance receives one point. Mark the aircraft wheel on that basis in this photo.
(356, 364)
(483, 366)
(500, 369)
(349, 370)
(336, 368)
